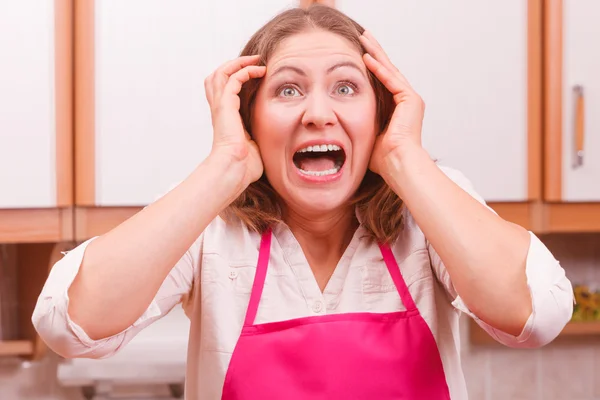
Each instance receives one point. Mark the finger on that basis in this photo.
(208, 89)
(411, 115)
(369, 35)
(390, 80)
(235, 82)
(373, 48)
(231, 67)
(377, 52)
(220, 77)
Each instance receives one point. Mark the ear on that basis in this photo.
(308, 3)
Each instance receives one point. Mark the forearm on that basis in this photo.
(122, 270)
(485, 255)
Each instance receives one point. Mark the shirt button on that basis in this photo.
(233, 274)
(317, 307)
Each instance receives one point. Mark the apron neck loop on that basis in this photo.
(263, 262)
(394, 270)
(259, 278)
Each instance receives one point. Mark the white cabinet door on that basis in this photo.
(152, 121)
(581, 68)
(28, 172)
(468, 61)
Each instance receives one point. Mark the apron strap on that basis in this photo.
(394, 270)
(259, 278)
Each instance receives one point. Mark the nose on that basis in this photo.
(319, 111)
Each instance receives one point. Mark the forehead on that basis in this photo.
(313, 45)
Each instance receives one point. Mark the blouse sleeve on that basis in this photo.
(55, 326)
(551, 292)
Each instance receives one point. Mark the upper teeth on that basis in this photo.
(321, 147)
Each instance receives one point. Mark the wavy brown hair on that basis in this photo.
(259, 206)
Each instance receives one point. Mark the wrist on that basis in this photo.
(405, 165)
(226, 173)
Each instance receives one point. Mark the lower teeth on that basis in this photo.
(320, 173)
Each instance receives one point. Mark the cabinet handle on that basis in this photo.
(579, 127)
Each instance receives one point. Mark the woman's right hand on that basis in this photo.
(115, 282)
(230, 138)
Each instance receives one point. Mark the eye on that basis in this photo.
(289, 91)
(346, 89)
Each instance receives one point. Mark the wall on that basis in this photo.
(559, 371)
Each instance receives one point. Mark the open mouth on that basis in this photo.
(320, 160)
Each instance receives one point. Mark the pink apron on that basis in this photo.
(339, 356)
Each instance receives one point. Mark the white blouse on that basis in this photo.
(214, 278)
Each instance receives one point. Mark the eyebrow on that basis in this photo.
(329, 70)
(288, 68)
(345, 64)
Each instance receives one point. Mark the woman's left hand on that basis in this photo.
(403, 132)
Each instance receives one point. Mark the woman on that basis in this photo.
(343, 255)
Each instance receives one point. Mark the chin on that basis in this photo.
(318, 202)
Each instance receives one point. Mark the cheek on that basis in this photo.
(272, 126)
(359, 119)
(278, 116)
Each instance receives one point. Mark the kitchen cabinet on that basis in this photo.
(477, 67)
(571, 201)
(35, 121)
(31, 263)
(145, 122)
(573, 101)
(130, 75)
(36, 154)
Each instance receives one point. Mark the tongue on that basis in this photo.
(316, 163)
